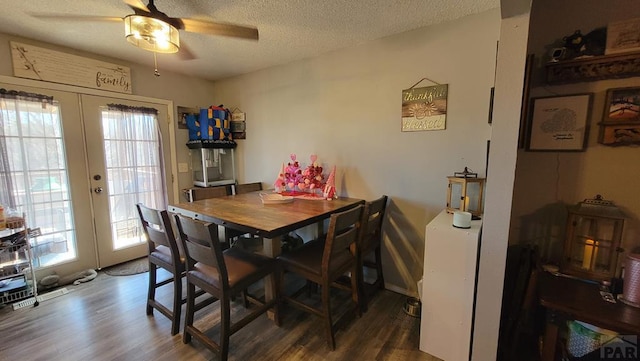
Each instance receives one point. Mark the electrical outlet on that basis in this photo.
(183, 167)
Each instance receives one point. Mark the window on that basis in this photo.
(33, 173)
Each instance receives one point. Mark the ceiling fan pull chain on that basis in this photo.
(155, 65)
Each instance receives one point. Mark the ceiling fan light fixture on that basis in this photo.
(151, 34)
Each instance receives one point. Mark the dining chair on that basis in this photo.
(166, 253)
(248, 187)
(323, 263)
(370, 256)
(223, 274)
(244, 240)
(198, 193)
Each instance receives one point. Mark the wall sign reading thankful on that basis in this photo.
(424, 108)
(53, 66)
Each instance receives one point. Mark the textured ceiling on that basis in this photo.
(289, 29)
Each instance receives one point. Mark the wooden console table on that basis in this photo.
(569, 299)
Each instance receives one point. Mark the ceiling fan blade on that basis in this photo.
(206, 27)
(185, 52)
(137, 4)
(76, 17)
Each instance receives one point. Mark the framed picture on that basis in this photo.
(559, 123)
(621, 119)
(491, 95)
(524, 107)
(623, 105)
(183, 112)
(424, 108)
(620, 134)
(623, 36)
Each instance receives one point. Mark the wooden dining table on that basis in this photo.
(247, 213)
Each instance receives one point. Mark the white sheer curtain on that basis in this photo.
(134, 168)
(33, 172)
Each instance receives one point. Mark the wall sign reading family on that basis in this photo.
(53, 66)
(424, 108)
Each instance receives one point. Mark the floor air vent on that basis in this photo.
(46, 296)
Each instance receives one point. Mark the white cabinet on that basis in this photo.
(448, 288)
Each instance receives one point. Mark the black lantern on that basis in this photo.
(592, 243)
(464, 192)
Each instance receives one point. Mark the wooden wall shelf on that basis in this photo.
(594, 68)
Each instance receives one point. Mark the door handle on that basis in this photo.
(98, 190)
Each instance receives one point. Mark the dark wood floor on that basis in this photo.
(105, 320)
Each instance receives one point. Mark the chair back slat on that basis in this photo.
(343, 232)
(344, 240)
(201, 244)
(157, 236)
(248, 187)
(372, 222)
(157, 229)
(209, 192)
(200, 253)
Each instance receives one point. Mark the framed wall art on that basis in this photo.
(559, 123)
(183, 112)
(623, 36)
(621, 119)
(424, 108)
(622, 105)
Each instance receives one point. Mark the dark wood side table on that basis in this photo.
(570, 299)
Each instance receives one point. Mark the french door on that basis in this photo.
(81, 187)
(125, 164)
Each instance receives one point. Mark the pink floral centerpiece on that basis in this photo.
(293, 181)
(312, 177)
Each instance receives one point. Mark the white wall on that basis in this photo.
(345, 107)
(183, 90)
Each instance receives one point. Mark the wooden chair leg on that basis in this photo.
(355, 291)
(151, 293)
(225, 327)
(245, 300)
(364, 300)
(326, 308)
(177, 302)
(276, 307)
(188, 318)
(312, 288)
(380, 276)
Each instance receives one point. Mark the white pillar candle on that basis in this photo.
(461, 219)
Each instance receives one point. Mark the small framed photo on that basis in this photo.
(619, 134)
(621, 119)
(622, 105)
(183, 112)
(623, 36)
(559, 123)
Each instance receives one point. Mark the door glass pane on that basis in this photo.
(33, 176)
(132, 149)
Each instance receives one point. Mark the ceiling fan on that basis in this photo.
(150, 29)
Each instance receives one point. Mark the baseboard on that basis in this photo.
(400, 290)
